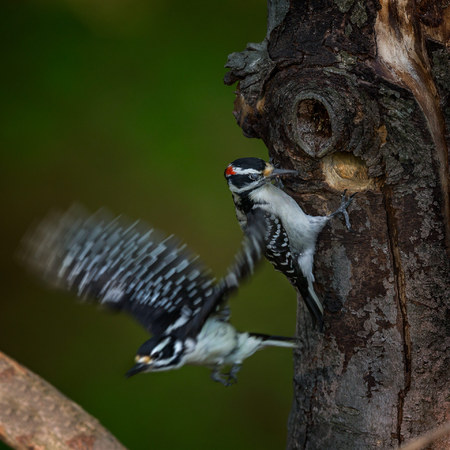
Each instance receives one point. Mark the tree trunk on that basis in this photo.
(353, 94)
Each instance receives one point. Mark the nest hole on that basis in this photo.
(313, 124)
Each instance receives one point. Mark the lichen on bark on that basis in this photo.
(326, 86)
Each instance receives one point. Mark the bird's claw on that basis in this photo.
(345, 203)
(227, 379)
(219, 378)
(232, 375)
(230, 381)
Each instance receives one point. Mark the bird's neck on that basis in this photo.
(242, 202)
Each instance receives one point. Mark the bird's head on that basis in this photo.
(246, 174)
(158, 354)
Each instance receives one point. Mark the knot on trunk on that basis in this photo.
(320, 113)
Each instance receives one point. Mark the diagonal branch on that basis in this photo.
(425, 440)
(33, 414)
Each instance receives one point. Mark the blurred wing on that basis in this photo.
(123, 265)
(251, 252)
(247, 258)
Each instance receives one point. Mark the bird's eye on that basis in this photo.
(253, 176)
(156, 355)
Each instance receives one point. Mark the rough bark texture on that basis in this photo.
(355, 94)
(34, 415)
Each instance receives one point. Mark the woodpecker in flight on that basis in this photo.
(290, 233)
(128, 266)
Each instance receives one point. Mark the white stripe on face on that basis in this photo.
(161, 345)
(239, 171)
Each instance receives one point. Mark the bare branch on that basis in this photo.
(33, 414)
(428, 438)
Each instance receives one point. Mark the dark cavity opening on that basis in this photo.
(314, 124)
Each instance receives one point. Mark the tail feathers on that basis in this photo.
(276, 341)
(314, 305)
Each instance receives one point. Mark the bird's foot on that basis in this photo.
(232, 374)
(217, 376)
(227, 379)
(345, 203)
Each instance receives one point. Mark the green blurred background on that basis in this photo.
(121, 104)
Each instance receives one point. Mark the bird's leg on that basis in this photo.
(219, 377)
(345, 203)
(232, 375)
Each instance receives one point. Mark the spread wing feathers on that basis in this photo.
(277, 251)
(126, 266)
(250, 254)
(246, 259)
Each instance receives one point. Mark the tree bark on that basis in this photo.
(34, 415)
(355, 95)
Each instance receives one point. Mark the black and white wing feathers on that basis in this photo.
(250, 253)
(128, 266)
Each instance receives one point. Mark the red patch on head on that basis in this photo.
(230, 171)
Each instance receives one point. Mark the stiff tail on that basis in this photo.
(314, 305)
(276, 341)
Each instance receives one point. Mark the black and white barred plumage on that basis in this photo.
(290, 234)
(128, 266)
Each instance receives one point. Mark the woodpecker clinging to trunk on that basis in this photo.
(290, 233)
(131, 267)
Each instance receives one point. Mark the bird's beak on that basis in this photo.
(281, 172)
(137, 368)
(272, 172)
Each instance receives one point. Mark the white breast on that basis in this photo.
(301, 228)
(214, 343)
